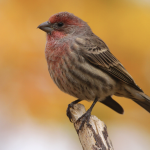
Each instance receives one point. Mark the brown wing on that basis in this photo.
(97, 54)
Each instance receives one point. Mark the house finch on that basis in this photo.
(81, 64)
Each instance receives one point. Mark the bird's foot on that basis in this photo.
(71, 106)
(68, 111)
(85, 118)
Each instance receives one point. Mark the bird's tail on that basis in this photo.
(143, 100)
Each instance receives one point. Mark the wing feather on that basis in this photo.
(97, 54)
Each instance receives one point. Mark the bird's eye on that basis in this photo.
(60, 24)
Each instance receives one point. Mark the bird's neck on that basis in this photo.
(55, 49)
(55, 35)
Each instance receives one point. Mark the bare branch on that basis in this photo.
(93, 137)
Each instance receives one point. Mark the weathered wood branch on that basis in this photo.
(93, 137)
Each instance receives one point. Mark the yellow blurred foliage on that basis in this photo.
(25, 82)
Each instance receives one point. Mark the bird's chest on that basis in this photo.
(55, 54)
(75, 78)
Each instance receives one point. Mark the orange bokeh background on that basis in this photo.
(28, 93)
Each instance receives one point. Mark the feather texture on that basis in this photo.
(98, 55)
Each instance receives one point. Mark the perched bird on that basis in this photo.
(81, 64)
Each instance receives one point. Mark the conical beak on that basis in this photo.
(46, 26)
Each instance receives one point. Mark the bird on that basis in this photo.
(81, 65)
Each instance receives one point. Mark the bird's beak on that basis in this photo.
(46, 26)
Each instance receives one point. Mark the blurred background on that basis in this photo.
(33, 109)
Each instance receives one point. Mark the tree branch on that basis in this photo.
(93, 137)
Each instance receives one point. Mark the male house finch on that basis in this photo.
(81, 64)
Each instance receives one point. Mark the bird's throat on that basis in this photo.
(55, 35)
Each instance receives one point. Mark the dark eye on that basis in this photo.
(60, 24)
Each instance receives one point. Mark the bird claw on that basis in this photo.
(68, 111)
(71, 106)
(85, 118)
